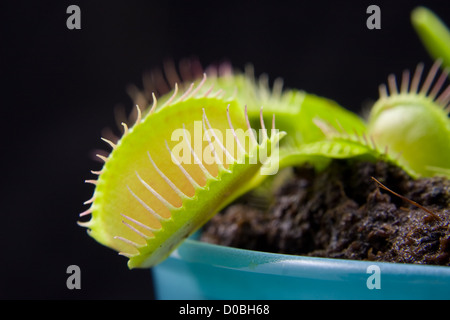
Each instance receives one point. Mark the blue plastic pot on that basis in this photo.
(198, 270)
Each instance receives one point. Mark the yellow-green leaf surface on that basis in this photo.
(411, 121)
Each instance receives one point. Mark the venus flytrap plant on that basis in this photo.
(158, 185)
(148, 198)
(407, 126)
(296, 113)
(152, 193)
(295, 110)
(412, 122)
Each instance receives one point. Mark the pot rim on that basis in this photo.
(200, 252)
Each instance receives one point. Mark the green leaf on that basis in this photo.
(171, 172)
(434, 34)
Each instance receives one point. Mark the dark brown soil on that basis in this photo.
(342, 213)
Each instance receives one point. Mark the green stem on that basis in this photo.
(433, 33)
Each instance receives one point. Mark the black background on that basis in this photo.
(60, 87)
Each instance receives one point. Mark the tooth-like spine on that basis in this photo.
(90, 200)
(263, 127)
(146, 206)
(131, 243)
(85, 213)
(186, 94)
(382, 91)
(156, 194)
(175, 92)
(277, 88)
(196, 158)
(249, 127)
(127, 255)
(155, 103)
(263, 83)
(217, 93)
(140, 223)
(186, 174)
(365, 139)
(229, 156)
(213, 150)
(416, 78)
(439, 83)
(405, 82)
(200, 85)
(358, 138)
(139, 115)
(112, 144)
(103, 158)
(218, 161)
(444, 98)
(125, 128)
(392, 84)
(431, 74)
(169, 182)
(139, 233)
(413, 85)
(208, 92)
(342, 129)
(234, 132)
